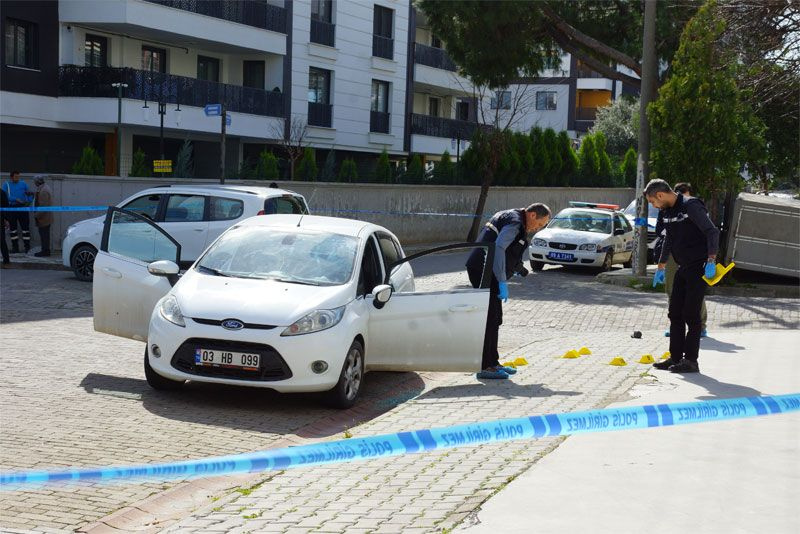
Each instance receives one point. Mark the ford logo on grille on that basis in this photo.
(232, 324)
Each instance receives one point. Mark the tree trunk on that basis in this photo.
(476, 222)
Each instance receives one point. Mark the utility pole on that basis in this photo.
(647, 94)
(223, 116)
(120, 86)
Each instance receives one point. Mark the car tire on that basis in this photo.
(537, 265)
(82, 262)
(345, 393)
(158, 382)
(607, 262)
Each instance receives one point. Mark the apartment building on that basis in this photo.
(358, 76)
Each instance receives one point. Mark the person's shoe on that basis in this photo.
(666, 333)
(42, 254)
(703, 333)
(507, 370)
(15, 250)
(665, 364)
(27, 249)
(492, 373)
(685, 366)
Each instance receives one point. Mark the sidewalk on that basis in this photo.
(21, 260)
(732, 476)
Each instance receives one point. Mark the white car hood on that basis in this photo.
(205, 296)
(563, 235)
(88, 223)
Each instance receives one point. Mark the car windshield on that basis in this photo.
(582, 221)
(630, 211)
(286, 255)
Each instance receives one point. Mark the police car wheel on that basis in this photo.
(536, 265)
(608, 262)
(156, 381)
(345, 393)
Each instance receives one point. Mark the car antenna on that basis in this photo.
(313, 192)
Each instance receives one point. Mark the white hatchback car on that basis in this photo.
(288, 302)
(194, 215)
(588, 237)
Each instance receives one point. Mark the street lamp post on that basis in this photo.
(120, 86)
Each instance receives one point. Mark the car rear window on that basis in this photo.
(225, 209)
(284, 205)
(146, 205)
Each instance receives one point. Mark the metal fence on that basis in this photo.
(256, 13)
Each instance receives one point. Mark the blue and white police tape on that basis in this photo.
(419, 441)
(640, 221)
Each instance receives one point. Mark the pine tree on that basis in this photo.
(569, 161)
(444, 171)
(89, 164)
(383, 169)
(267, 166)
(348, 172)
(627, 168)
(307, 169)
(541, 159)
(139, 165)
(605, 175)
(184, 166)
(328, 171)
(589, 163)
(550, 147)
(415, 174)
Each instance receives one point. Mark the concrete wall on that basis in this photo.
(343, 200)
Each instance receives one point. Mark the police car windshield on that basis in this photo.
(285, 255)
(630, 211)
(582, 221)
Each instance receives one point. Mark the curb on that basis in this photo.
(628, 280)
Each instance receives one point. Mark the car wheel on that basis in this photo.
(82, 262)
(607, 262)
(346, 390)
(156, 381)
(537, 265)
(628, 264)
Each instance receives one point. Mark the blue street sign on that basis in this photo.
(213, 110)
(227, 120)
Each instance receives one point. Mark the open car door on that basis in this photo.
(438, 322)
(124, 293)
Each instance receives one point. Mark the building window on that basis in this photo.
(545, 100)
(382, 31)
(95, 51)
(462, 110)
(254, 74)
(207, 68)
(434, 105)
(319, 85)
(154, 59)
(380, 96)
(323, 31)
(501, 100)
(435, 42)
(322, 10)
(22, 40)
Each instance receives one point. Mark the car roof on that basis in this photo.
(318, 223)
(252, 190)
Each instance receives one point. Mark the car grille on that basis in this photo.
(215, 322)
(562, 246)
(272, 366)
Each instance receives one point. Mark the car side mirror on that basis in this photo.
(163, 268)
(382, 294)
(619, 231)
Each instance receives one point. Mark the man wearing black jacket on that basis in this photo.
(3, 223)
(693, 241)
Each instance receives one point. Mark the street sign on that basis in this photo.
(213, 110)
(162, 165)
(227, 120)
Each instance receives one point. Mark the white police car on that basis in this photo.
(652, 219)
(586, 235)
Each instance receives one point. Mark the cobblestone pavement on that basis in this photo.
(71, 396)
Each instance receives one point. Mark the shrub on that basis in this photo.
(383, 169)
(90, 163)
(140, 165)
(307, 169)
(348, 172)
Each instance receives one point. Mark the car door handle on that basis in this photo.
(113, 273)
(463, 308)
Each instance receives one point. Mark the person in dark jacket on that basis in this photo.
(693, 241)
(509, 231)
(3, 225)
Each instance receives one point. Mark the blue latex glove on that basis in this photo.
(658, 278)
(503, 294)
(711, 269)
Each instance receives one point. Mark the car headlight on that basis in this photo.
(591, 247)
(539, 242)
(171, 311)
(315, 321)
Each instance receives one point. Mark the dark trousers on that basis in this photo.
(494, 319)
(688, 291)
(21, 219)
(44, 237)
(3, 244)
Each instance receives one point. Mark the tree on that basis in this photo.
(292, 138)
(139, 165)
(605, 174)
(627, 169)
(89, 164)
(444, 170)
(184, 166)
(619, 122)
(383, 169)
(569, 160)
(550, 146)
(267, 166)
(348, 172)
(588, 163)
(541, 158)
(704, 131)
(307, 169)
(415, 174)
(328, 171)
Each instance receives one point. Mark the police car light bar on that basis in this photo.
(576, 204)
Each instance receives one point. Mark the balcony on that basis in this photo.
(441, 127)
(319, 114)
(585, 114)
(433, 57)
(379, 122)
(382, 47)
(256, 13)
(323, 33)
(95, 82)
(585, 72)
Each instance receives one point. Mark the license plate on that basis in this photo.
(562, 256)
(226, 358)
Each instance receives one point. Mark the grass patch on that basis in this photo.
(251, 489)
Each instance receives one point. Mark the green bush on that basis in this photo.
(307, 169)
(140, 165)
(383, 169)
(328, 172)
(605, 174)
(348, 172)
(184, 166)
(550, 146)
(266, 167)
(588, 163)
(541, 158)
(444, 170)
(89, 164)
(415, 174)
(627, 169)
(569, 161)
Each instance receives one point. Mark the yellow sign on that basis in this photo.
(162, 165)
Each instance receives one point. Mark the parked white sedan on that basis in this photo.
(586, 237)
(288, 302)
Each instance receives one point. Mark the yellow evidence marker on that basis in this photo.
(584, 351)
(571, 354)
(619, 361)
(720, 272)
(520, 361)
(647, 358)
(666, 355)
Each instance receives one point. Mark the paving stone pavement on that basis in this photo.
(71, 396)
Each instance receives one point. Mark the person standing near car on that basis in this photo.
(693, 241)
(3, 225)
(671, 268)
(508, 230)
(18, 197)
(43, 219)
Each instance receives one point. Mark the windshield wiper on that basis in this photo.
(209, 270)
(294, 281)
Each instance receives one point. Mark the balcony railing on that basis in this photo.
(585, 72)
(379, 122)
(441, 127)
(323, 33)
(319, 114)
(257, 13)
(382, 47)
(585, 114)
(155, 86)
(433, 57)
